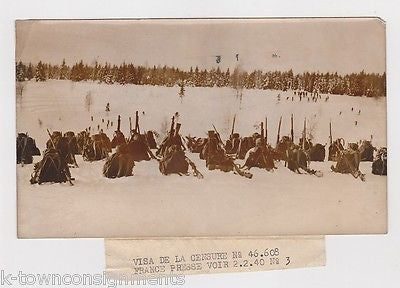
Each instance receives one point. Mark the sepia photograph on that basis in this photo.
(200, 127)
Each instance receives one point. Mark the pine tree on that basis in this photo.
(29, 71)
(63, 71)
(181, 90)
(20, 72)
(40, 74)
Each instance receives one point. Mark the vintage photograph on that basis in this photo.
(200, 127)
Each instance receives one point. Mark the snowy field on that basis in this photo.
(150, 204)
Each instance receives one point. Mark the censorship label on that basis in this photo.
(145, 257)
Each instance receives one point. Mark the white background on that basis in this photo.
(352, 261)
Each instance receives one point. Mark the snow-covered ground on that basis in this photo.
(150, 204)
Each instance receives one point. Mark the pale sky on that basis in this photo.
(324, 45)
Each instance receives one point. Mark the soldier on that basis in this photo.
(367, 151)
(139, 148)
(53, 167)
(173, 158)
(297, 159)
(174, 161)
(72, 148)
(232, 144)
(216, 158)
(379, 166)
(96, 148)
(260, 156)
(26, 148)
(60, 143)
(348, 162)
(173, 138)
(119, 164)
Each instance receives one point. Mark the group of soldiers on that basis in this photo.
(302, 95)
(251, 151)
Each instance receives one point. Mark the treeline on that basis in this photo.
(355, 84)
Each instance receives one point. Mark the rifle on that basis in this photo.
(177, 128)
(266, 130)
(291, 129)
(51, 139)
(196, 172)
(218, 136)
(330, 133)
(130, 125)
(279, 130)
(63, 169)
(262, 131)
(171, 129)
(137, 130)
(304, 133)
(119, 123)
(233, 125)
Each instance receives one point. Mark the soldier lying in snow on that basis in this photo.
(348, 162)
(379, 166)
(173, 155)
(72, 142)
(175, 161)
(194, 144)
(173, 138)
(52, 168)
(119, 164)
(232, 144)
(315, 152)
(26, 148)
(297, 159)
(82, 138)
(97, 148)
(118, 139)
(367, 151)
(335, 148)
(260, 156)
(139, 148)
(282, 147)
(62, 145)
(216, 157)
(245, 144)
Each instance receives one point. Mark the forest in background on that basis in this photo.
(355, 84)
